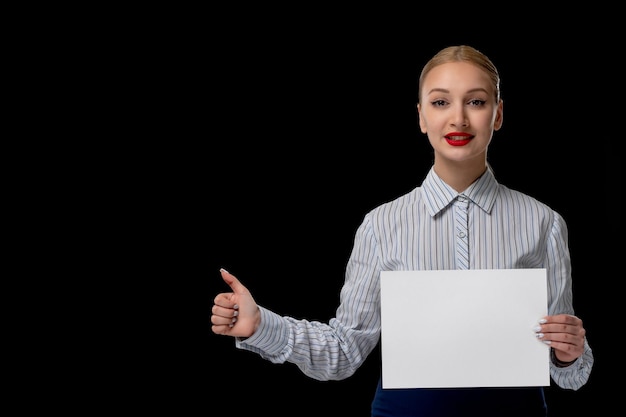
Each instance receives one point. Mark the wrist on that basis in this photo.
(557, 362)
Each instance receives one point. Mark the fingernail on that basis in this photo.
(547, 342)
(543, 321)
(234, 319)
(537, 328)
(539, 335)
(236, 306)
(235, 314)
(223, 270)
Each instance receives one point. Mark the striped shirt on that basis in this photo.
(504, 229)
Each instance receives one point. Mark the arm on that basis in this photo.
(571, 355)
(323, 351)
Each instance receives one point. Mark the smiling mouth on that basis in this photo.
(454, 140)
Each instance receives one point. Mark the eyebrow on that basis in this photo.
(443, 90)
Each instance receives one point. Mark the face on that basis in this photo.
(458, 112)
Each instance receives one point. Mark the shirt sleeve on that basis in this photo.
(333, 350)
(559, 272)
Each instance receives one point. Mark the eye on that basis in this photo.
(438, 103)
(477, 102)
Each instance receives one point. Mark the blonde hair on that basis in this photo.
(466, 54)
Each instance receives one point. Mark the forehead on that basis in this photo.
(457, 76)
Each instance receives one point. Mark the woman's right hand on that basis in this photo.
(234, 313)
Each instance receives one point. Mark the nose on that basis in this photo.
(459, 117)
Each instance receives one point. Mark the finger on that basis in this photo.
(564, 335)
(561, 328)
(225, 299)
(221, 329)
(223, 321)
(232, 281)
(222, 311)
(567, 351)
(565, 338)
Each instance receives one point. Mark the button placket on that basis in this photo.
(461, 207)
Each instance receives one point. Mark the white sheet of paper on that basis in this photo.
(463, 328)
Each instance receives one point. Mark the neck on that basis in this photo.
(460, 175)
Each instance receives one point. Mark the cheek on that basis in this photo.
(487, 123)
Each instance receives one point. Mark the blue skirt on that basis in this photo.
(461, 402)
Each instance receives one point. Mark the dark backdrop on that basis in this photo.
(289, 135)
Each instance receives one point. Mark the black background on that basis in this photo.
(286, 135)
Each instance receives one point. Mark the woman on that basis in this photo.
(459, 110)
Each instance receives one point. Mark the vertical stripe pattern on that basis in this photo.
(432, 227)
(461, 235)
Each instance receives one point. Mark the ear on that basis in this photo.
(420, 119)
(497, 124)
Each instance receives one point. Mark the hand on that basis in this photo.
(234, 313)
(565, 334)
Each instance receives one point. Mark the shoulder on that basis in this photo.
(514, 200)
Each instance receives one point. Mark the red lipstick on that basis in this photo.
(458, 138)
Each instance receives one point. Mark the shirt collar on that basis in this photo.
(438, 195)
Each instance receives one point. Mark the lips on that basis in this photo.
(458, 138)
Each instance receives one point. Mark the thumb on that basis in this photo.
(232, 281)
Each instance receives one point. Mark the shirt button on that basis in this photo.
(461, 235)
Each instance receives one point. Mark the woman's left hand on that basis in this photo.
(565, 334)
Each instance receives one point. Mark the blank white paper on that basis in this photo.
(463, 328)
